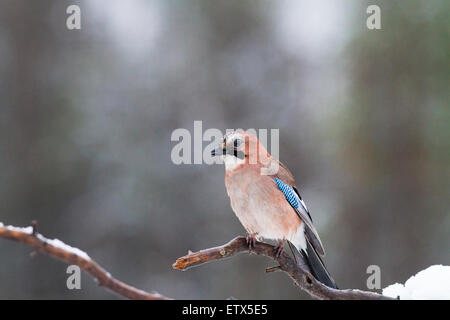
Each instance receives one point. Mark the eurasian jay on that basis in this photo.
(266, 201)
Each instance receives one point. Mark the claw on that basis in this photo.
(279, 249)
(251, 241)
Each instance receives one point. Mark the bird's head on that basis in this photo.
(240, 148)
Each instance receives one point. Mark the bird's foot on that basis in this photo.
(279, 249)
(251, 241)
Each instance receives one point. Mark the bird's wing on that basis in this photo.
(286, 184)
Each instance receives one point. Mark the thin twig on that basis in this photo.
(302, 278)
(58, 250)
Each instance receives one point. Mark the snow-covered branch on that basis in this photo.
(302, 278)
(61, 251)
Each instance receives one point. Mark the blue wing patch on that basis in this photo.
(290, 194)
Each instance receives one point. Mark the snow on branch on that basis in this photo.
(302, 278)
(59, 250)
(432, 283)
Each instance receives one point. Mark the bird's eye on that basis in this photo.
(237, 143)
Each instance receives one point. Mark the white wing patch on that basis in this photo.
(303, 204)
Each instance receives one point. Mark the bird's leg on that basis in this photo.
(251, 240)
(279, 248)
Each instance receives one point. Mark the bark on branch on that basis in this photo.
(59, 250)
(302, 278)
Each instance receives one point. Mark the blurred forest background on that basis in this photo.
(86, 118)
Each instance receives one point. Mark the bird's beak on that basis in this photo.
(220, 150)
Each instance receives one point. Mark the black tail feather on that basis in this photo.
(300, 258)
(312, 262)
(317, 266)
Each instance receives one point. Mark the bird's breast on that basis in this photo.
(259, 205)
(239, 184)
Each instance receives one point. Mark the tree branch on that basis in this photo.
(59, 250)
(302, 278)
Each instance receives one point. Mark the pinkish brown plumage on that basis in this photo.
(262, 207)
(255, 198)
